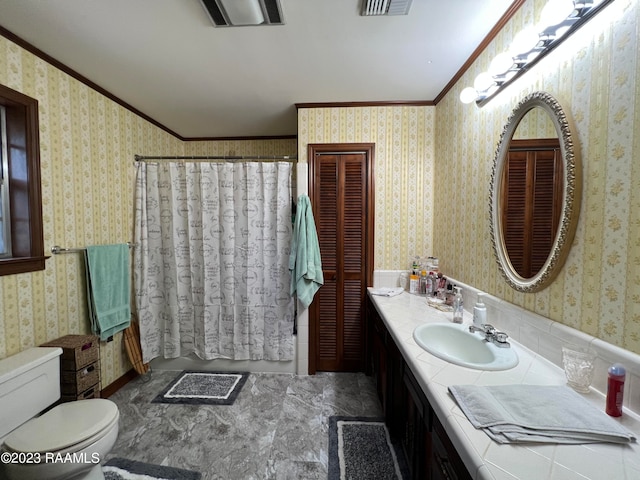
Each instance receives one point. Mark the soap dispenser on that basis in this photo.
(457, 306)
(479, 311)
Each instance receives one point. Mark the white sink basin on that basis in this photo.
(454, 343)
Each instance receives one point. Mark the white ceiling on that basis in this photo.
(166, 59)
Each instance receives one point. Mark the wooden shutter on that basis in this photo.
(514, 210)
(545, 215)
(353, 248)
(327, 226)
(531, 203)
(340, 209)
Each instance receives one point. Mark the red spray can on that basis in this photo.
(615, 389)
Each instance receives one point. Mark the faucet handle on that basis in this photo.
(500, 337)
(488, 328)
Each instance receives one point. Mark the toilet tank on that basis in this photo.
(29, 383)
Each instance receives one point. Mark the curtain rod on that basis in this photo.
(57, 249)
(289, 158)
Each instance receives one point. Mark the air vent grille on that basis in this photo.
(215, 14)
(271, 11)
(385, 7)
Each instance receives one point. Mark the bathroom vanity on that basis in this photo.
(408, 414)
(437, 439)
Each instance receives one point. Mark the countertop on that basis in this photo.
(484, 458)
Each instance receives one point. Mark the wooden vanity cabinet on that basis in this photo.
(409, 417)
(445, 462)
(416, 441)
(385, 365)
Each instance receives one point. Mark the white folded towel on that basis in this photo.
(538, 414)
(387, 291)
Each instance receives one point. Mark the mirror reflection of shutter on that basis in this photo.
(514, 210)
(532, 202)
(544, 217)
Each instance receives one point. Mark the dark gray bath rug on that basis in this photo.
(203, 388)
(123, 469)
(360, 448)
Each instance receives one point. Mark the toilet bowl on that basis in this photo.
(68, 442)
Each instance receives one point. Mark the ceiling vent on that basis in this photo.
(240, 13)
(385, 7)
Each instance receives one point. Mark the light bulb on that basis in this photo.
(483, 82)
(561, 31)
(524, 41)
(500, 64)
(555, 12)
(468, 95)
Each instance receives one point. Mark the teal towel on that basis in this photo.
(304, 261)
(108, 288)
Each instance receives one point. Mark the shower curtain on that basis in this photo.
(211, 265)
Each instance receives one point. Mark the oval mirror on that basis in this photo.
(535, 193)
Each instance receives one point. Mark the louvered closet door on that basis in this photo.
(340, 210)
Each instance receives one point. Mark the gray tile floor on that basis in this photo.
(276, 429)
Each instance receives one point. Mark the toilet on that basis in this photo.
(67, 442)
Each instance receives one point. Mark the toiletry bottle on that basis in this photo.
(415, 267)
(429, 287)
(457, 306)
(435, 262)
(423, 282)
(479, 311)
(430, 264)
(615, 389)
(434, 283)
(414, 283)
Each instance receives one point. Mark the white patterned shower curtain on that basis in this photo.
(211, 271)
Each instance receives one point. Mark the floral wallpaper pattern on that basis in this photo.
(87, 143)
(403, 170)
(595, 74)
(432, 171)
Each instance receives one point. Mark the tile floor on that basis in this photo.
(276, 429)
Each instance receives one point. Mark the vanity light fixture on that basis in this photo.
(244, 12)
(239, 13)
(558, 19)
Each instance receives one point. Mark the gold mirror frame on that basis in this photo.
(572, 183)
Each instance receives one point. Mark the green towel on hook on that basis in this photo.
(304, 261)
(108, 288)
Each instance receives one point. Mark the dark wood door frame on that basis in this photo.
(368, 149)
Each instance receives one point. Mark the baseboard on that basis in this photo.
(118, 384)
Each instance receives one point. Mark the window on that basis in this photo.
(5, 226)
(21, 242)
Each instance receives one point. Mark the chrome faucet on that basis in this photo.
(491, 334)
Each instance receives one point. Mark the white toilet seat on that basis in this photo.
(68, 427)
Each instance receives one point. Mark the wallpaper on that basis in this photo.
(594, 74)
(241, 148)
(536, 123)
(87, 143)
(432, 172)
(403, 171)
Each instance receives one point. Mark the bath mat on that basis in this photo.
(360, 448)
(123, 469)
(203, 388)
